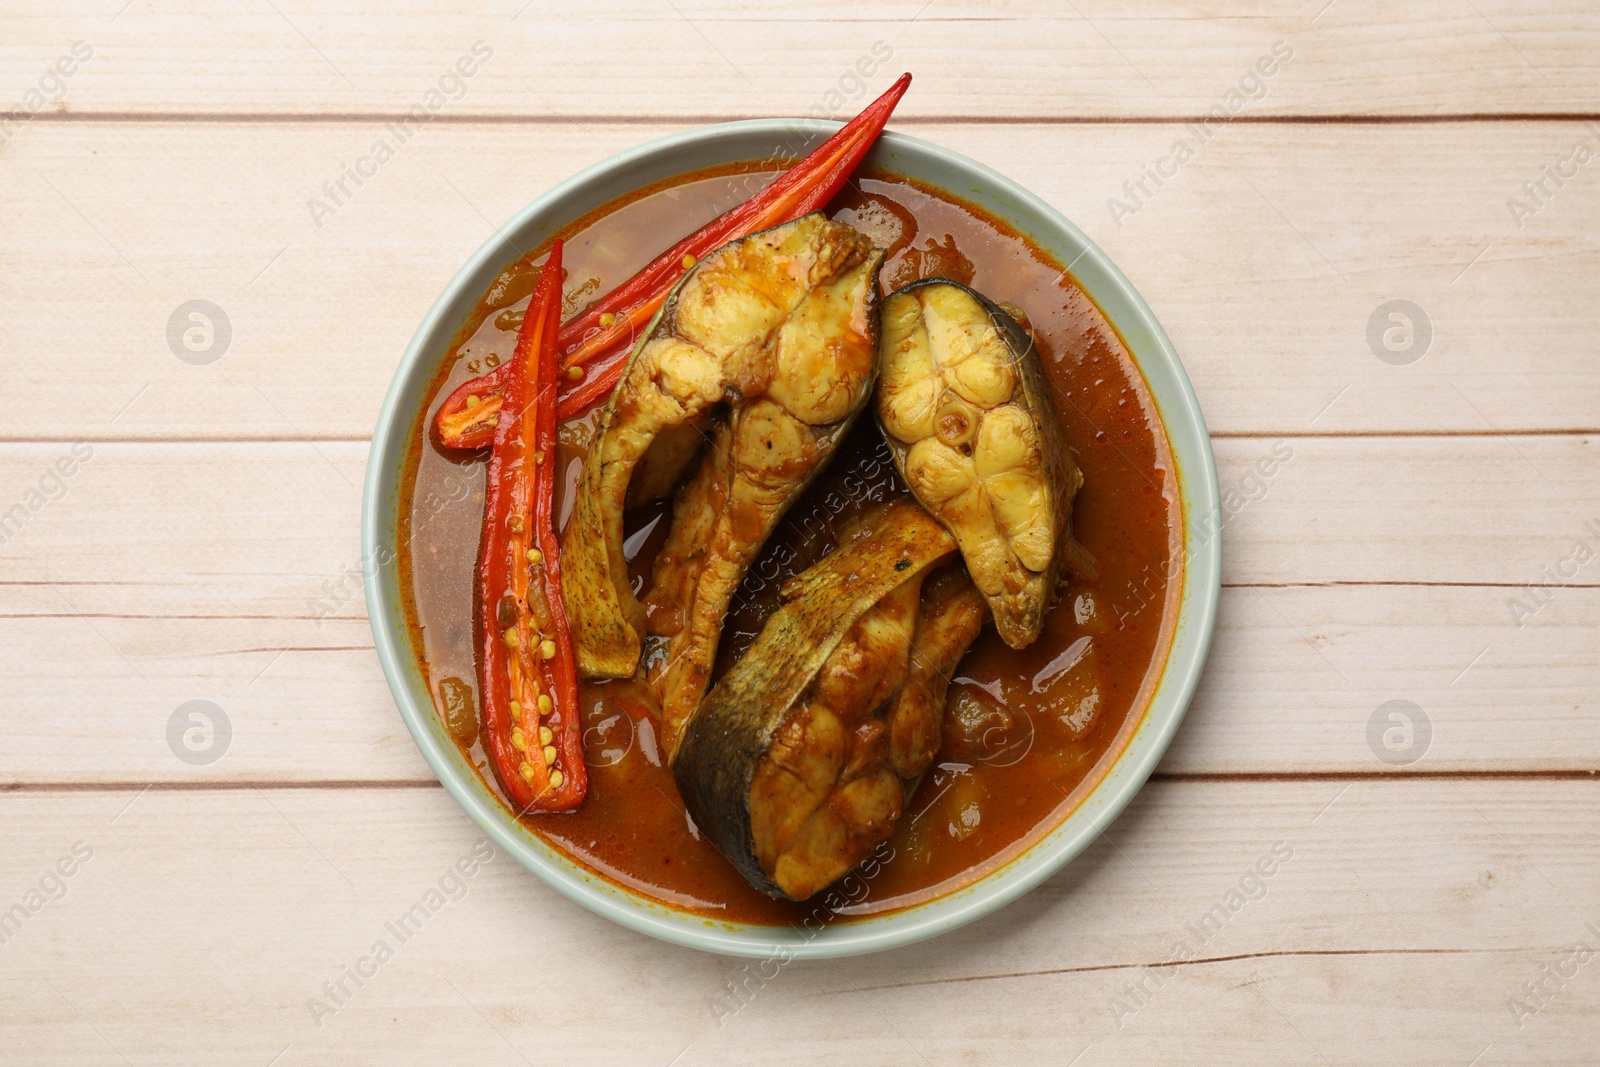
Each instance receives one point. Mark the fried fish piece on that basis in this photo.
(799, 761)
(950, 615)
(768, 349)
(970, 424)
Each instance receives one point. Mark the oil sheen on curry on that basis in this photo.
(864, 556)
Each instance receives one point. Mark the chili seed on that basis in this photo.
(556, 779)
(545, 704)
(547, 649)
(549, 755)
(534, 555)
(546, 735)
(519, 741)
(607, 319)
(527, 771)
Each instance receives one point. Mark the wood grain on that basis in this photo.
(202, 544)
(1265, 258)
(230, 572)
(251, 528)
(723, 59)
(1293, 679)
(223, 913)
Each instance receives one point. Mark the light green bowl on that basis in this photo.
(896, 153)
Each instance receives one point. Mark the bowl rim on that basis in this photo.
(1194, 472)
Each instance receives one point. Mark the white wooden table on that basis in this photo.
(197, 541)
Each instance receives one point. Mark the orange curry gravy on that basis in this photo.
(1031, 731)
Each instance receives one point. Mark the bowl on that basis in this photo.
(897, 153)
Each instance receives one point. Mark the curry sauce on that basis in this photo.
(1028, 733)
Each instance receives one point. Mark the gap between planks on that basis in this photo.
(528, 119)
(1177, 778)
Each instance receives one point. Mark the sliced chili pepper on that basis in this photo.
(527, 675)
(604, 332)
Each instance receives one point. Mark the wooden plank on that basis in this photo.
(718, 58)
(1266, 258)
(229, 910)
(255, 528)
(1363, 571)
(1294, 678)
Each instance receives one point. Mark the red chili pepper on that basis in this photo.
(528, 681)
(605, 332)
